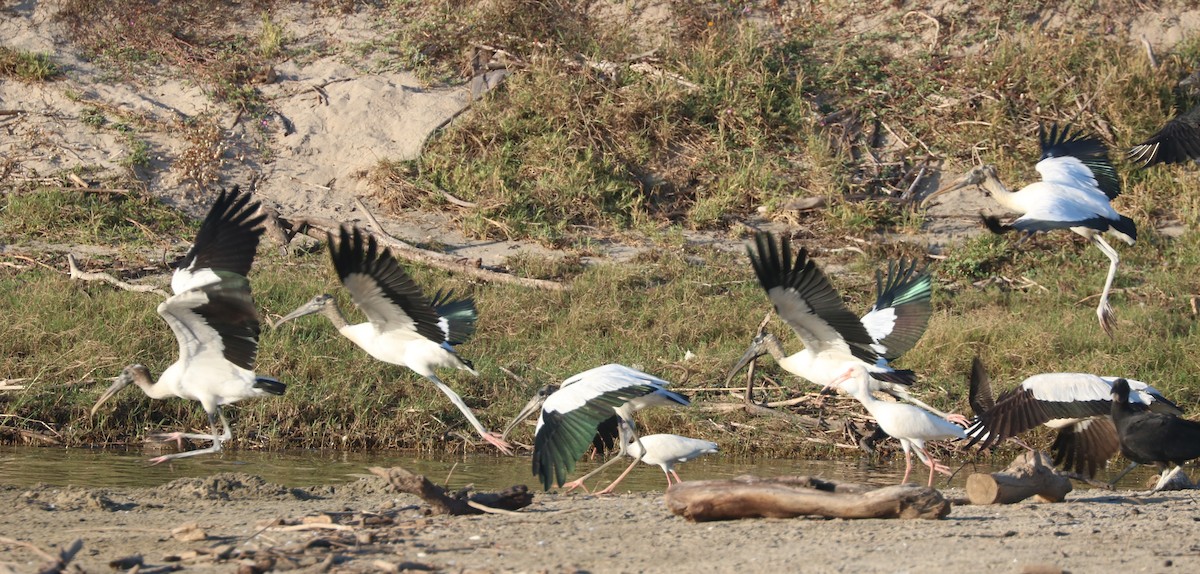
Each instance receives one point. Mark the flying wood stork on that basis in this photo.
(570, 415)
(664, 450)
(215, 323)
(1176, 142)
(832, 335)
(404, 327)
(1077, 405)
(1077, 188)
(1153, 437)
(909, 424)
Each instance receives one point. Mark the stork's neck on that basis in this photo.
(992, 184)
(153, 389)
(334, 314)
(774, 347)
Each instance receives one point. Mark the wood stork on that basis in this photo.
(215, 323)
(1077, 405)
(1153, 437)
(1176, 142)
(909, 424)
(832, 335)
(404, 327)
(1077, 188)
(664, 450)
(570, 415)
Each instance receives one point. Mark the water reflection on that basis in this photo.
(96, 468)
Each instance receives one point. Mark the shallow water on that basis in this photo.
(110, 468)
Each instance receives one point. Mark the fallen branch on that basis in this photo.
(76, 273)
(318, 228)
(1028, 475)
(510, 499)
(54, 564)
(792, 496)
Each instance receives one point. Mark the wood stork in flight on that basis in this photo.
(215, 323)
(1077, 405)
(1176, 142)
(1147, 437)
(403, 326)
(569, 416)
(1077, 188)
(664, 450)
(832, 335)
(909, 424)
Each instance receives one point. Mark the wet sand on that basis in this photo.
(244, 522)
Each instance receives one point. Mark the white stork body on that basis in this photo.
(1077, 405)
(404, 327)
(1076, 192)
(833, 336)
(570, 415)
(909, 424)
(215, 323)
(665, 451)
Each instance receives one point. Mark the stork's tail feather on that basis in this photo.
(1125, 227)
(460, 316)
(269, 385)
(900, 377)
(993, 224)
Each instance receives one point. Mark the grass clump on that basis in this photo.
(27, 66)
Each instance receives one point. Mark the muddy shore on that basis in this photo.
(240, 522)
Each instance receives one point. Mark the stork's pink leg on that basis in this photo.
(498, 442)
(677, 479)
(568, 487)
(907, 466)
(608, 489)
(668, 478)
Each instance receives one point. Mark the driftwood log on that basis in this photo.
(791, 496)
(511, 499)
(1028, 475)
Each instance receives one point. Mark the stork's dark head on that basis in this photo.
(135, 373)
(314, 305)
(533, 406)
(975, 177)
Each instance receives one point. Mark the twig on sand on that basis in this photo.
(76, 273)
(54, 564)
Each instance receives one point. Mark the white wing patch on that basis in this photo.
(187, 279)
(577, 390)
(879, 324)
(1067, 170)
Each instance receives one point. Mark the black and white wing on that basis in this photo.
(391, 300)
(215, 320)
(1178, 141)
(1076, 161)
(226, 243)
(805, 300)
(901, 311)
(571, 415)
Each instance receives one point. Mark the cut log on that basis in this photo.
(792, 496)
(1028, 475)
(511, 498)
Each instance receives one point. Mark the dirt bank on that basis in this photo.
(241, 520)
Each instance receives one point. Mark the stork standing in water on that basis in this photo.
(833, 336)
(1148, 437)
(909, 424)
(570, 415)
(1077, 188)
(404, 327)
(664, 450)
(215, 323)
(1077, 405)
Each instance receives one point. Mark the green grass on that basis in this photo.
(27, 66)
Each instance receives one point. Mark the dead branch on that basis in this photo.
(792, 496)
(511, 499)
(76, 273)
(318, 228)
(1031, 474)
(275, 229)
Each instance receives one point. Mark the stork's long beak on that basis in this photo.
(533, 406)
(962, 182)
(753, 352)
(121, 381)
(313, 306)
